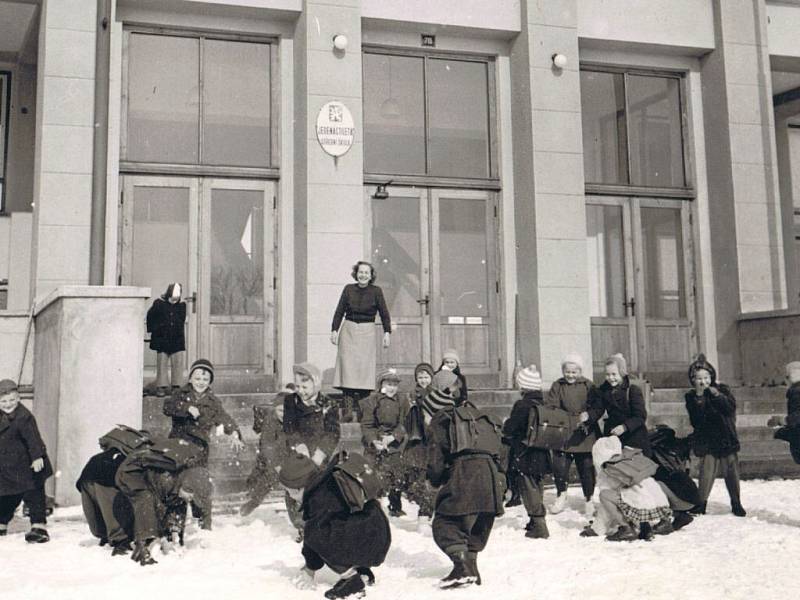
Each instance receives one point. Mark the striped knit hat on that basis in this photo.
(529, 379)
(441, 392)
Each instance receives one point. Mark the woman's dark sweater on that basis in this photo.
(360, 305)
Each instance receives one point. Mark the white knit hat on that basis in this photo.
(572, 358)
(529, 379)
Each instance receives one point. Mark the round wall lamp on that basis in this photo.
(559, 60)
(340, 42)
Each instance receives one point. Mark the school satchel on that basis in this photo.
(630, 467)
(170, 455)
(548, 427)
(125, 439)
(357, 481)
(475, 431)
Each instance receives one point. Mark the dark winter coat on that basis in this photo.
(624, 405)
(316, 425)
(526, 460)
(714, 421)
(20, 445)
(470, 483)
(212, 414)
(165, 323)
(340, 537)
(382, 415)
(415, 452)
(793, 405)
(574, 398)
(101, 468)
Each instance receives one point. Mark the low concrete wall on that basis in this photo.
(767, 342)
(87, 373)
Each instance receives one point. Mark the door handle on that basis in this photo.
(426, 301)
(193, 300)
(631, 304)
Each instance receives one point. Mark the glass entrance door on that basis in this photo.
(434, 251)
(641, 285)
(217, 238)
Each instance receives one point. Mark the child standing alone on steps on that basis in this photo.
(165, 323)
(24, 465)
(571, 393)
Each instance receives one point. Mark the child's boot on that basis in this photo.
(537, 529)
(347, 587)
(646, 531)
(663, 527)
(699, 509)
(738, 509)
(3, 530)
(472, 565)
(623, 534)
(37, 535)
(681, 520)
(560, 503)
(460, 575)
(141, 553)
(396, 504)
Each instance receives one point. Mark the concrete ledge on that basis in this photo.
(90, 291)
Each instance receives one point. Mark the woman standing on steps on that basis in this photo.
(353, 331)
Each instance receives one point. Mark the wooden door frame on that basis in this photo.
(125, 246)
(492, 257)
(207, 185)
(628, 249)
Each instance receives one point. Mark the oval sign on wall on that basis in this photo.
(335, 129)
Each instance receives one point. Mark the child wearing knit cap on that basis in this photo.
(383, 416)
(451, 362)
(571, 393)
(531, 464)
(416, 447)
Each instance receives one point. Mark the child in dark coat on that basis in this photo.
(571, 393)
(471, 484)
(165, 323)
(383, 415)
(108, 512)
(712, 412)
(349, 542)
(532, 464)
(790, 432)
(196, 410)
(452, 362)
(415, 452)
(624, 404)
(160, 482)
(24, 465)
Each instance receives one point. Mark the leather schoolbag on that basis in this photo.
(630, 467)
(357, 480)
(125, 439)
(475, 431)
(169, 455)
(549, 427)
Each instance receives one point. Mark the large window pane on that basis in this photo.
(236, 103)
(394, 114)
(463, 260)
(237, 252)
(606, 261)
(655, 131)
(163, 99)
(662, 242)
(603, 111)
(459, 118)
(396, 253)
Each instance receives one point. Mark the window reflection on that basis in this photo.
(606, 261)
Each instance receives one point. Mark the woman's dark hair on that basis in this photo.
(354, 271)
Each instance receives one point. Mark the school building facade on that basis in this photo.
(529, 177)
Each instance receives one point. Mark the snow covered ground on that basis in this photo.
(717, 556)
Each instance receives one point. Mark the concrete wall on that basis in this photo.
(88, 373)
(15, 258)
(680, 25)
(13, 326)
(497, 15)
(783, 25)
(64, 142)
(768, 341)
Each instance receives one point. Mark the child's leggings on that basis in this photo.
(35, 500)
(728, 467)
(583, 463)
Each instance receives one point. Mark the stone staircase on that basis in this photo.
(761, 456)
